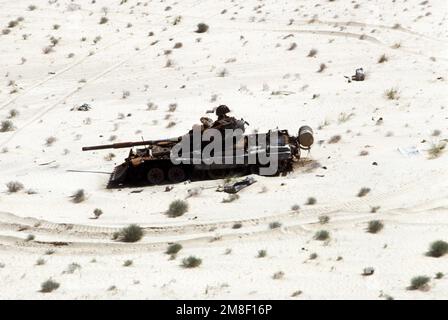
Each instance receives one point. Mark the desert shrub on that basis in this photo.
(322, 67)
(178, 45)
(374, 226)
(322, 235)
(275, 225)
(79, 196)
(14, 186)
(13, 113)
(50, 140)
(177, 208)
(392, 94)
(237, 225)
(49, 252)
(313, 256)
(334, 139)
(311, 201)
(13, 23)
(6, 125)
(278, 275)
(439, 275)
(131, 233)
(173, 248)
(201, 28)
(47, 49)
(97, 212)
(56, 26)
(71, 268)
(6, 31)
(295, 207)
(437, 249)
(344, 117)
(32, 7)
(419, 283)
(30, 237)
(324, 219)
(104, 20)
(292, 46)
(383, 59)
(374, 209)
(363, 192)
(49, 286)
(223, 73)
(127, 263)
(262, 253)
(312, 53)
(125, 94)
(40, 262)
(191, 262)
(435, 150)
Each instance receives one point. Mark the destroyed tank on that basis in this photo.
(159, 161)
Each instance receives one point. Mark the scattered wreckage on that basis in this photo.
(159, 161)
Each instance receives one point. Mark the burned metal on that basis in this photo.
(153, 162)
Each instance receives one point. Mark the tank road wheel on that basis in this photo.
(176, 174)
(155, 176)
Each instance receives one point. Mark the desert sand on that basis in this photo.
(277, 64)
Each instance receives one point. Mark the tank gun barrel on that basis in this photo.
(121, 145)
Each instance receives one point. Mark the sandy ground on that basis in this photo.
(120, 68)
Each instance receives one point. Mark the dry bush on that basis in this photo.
(201, 28)
(311, 201)
(191, 262)
(97, 212)
(437, 249)
(292, 46)
(334, 139)
(14, 186)
(131, 233)
(275, 225)
(363, 192)
(47, 49)
(322, 235)
(79, 196)
(6, 125)
(177, 208)
(322, 67)
(103, 20)
(436, 149)
(324, 219)
(312, 53)
(392, 94)
(374, 226)
(419, 283)
(173, 248)
(32, 7)
(278, 275)
(49, 286)
(49, 141)
(177, 45)
(383, 58)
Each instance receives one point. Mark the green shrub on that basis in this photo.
(131, 233)
(419, 283)
(177, 208)
(191, 262)
(322, 235)
(173, 248)
(202, 27)
(49, 286)
(437, 249)
(262, 253)
(374, 226)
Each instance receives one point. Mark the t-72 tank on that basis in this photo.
(178, 159)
